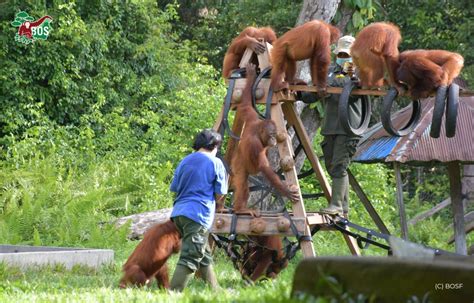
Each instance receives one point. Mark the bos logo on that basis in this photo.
(30, 30)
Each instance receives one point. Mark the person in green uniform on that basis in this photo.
(338, 146)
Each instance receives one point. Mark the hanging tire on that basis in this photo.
(343, 109)
(387, 117)
(438, 111)
(266, 73)
(452, 110)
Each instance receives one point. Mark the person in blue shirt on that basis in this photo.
(199, 180)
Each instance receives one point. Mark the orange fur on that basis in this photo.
(263, 257)
(312, 41)
(248, 38)
(425, 70)
(375, 50)
(250, 157)
(149, 258)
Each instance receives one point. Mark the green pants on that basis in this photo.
(195, 250)
(338, 151)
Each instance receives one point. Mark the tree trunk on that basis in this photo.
(317, 9)
(312, 9)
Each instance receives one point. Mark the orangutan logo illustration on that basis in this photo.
(29, 30)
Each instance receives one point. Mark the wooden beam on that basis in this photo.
(264, 58)
(429, 212)
(468, 221)
(468, 218)
(318, 219)
(366, 92)
(469, 227)
(367, 204)
(286, 149)
(401, 205)
(219, 119)
(246, 57)
(295, 121)
(457, 206)
(243, 225)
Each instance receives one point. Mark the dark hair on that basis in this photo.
(208, 139)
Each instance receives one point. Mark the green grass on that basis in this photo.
(80, 284)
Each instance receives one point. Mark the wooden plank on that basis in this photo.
(469, 227)
(240, 85)
(458, 209)
(286, 149)
(468, 218)
(294, 120)
(368, 92)
(219, 119)
(367, 204)
(264, 58)
(468, 221)
(243, 225)
(430, 212)
(246, 58)
(401, 205)
(317, 219)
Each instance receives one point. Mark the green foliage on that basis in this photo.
(434, 25)
(211, 25)
(94, 119)
(45, 204)
(363, 12)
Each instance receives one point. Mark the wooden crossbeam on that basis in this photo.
(358, 91)
(222, 224)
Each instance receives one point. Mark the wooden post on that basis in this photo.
(219, 120)
(458, 209)
(366, 202)
(401, 205)
(286, 149)
(294, 120)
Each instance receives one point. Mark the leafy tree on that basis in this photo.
(211, 25)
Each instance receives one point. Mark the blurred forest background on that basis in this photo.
(94, 120)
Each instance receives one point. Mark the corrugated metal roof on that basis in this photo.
(378, 146)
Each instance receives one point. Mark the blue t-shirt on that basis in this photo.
(198, 177)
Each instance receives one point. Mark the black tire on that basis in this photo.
(387, 118)
(236, 74)
(438, 111)
(452, 110)
(266, 73)
(344, 111)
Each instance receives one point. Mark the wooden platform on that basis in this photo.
(222, 223)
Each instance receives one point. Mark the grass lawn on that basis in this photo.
(80, 284)
(55, 284)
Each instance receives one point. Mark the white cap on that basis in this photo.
(344, 45)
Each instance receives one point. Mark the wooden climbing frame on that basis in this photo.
(284, 114)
